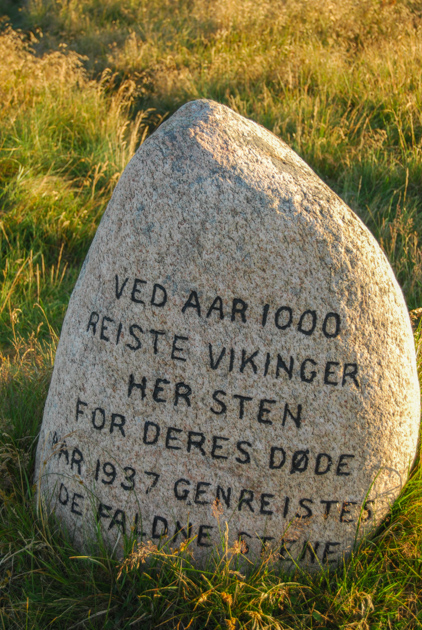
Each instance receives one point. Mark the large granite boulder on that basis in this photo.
(236, 349)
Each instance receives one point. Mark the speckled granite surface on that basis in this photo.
(237, 334)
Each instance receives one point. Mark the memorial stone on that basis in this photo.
(236, 349)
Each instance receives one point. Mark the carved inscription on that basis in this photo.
(192, 492)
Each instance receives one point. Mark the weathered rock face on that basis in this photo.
(236, 334)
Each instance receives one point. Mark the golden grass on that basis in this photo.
(339, 81)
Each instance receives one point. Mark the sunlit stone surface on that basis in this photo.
(236, 335)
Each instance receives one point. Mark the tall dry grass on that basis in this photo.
(64, 141)
(339, 81)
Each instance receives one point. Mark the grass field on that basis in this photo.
(82, 83)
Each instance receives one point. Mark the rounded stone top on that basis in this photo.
(236, 349)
